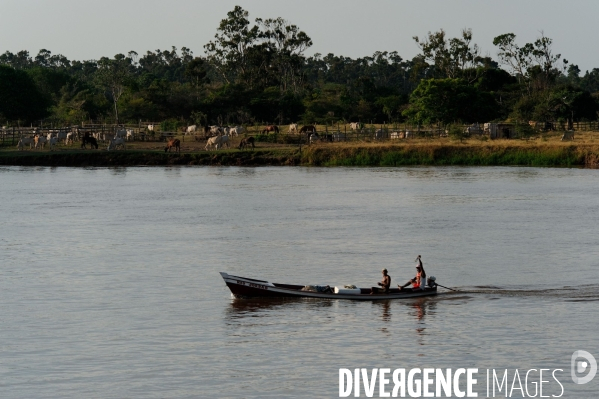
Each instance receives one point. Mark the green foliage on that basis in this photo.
(169, 125)
(19, 96)
(255, 71)
(449, 100)
(524, 130)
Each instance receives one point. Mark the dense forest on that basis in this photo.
(255, 72)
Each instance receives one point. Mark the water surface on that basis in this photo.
(109, 284)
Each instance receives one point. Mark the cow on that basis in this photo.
(23, 141)
(568, 136)
(216, 130)
(378, 135)
(308, 129)
(236, 131)
(62, 136)
(40, 140)
(217, 141)
(52, 142)
(246, 143)
(190, 129)
(270, 128)
(121, 134)
(356, 125)
(397, 135)
(116, 142)
(224, 140)
(150, 128)
(89, 140)
(211, 142)
(173, 143)
(293, 128)
(130, 134)
(70, 138)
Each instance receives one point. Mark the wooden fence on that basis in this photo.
(9, 136)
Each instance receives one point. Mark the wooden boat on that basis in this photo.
(243, 287)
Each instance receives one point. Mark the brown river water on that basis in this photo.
(109, 283)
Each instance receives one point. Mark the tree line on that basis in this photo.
(254, 72)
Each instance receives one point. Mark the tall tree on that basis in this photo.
(113, 75)
(534, 64)
(452, 58)
(289, 43)
(228, 53)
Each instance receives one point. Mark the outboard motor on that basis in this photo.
(432, 282)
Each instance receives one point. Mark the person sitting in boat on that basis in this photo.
(420, 280)
(384, 284)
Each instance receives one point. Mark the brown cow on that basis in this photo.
(176, 143)
(271, 128)
(308, 129)
(246, 143)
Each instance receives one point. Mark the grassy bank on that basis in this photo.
(469, 155)
(337, 154)
(149, 158)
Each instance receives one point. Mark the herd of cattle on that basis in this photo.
(52, 138)
(218, 137)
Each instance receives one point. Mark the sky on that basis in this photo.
(85, 29)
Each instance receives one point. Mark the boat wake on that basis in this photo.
(580, 293)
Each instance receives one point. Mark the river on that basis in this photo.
(109, 283)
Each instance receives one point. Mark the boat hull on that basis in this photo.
(243, 287)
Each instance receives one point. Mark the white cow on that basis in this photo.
(40, 141)
(130, 134)
(121, 134)
(236, 131)
(217, 141)
(216, 130)
(70, 138)
(355, 126)
(293, 128)
(23, 141)
(211, 142)
(116, 142)
(191, 129)
(151, 128)
(52, 142)
(224, 140)
(396, 135)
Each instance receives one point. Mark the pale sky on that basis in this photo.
(85, 29)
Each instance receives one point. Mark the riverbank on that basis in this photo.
(505, 153)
